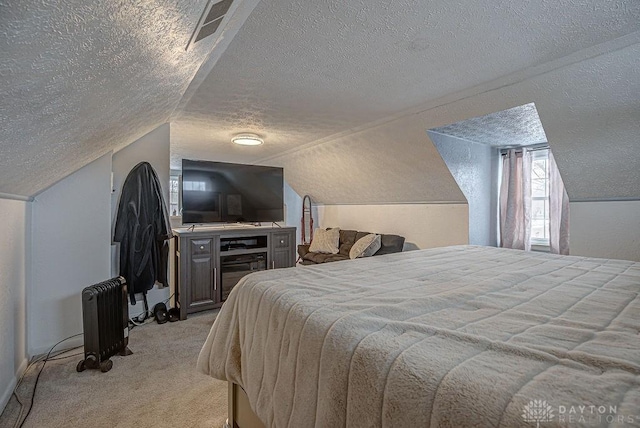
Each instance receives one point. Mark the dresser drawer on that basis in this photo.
(281, 240)
(201, 246)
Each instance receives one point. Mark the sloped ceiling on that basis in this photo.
(80, 78)
(517, 126)
(321, 74)
(592, 129)
(342, 92)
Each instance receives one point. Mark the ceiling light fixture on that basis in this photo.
(247, 140)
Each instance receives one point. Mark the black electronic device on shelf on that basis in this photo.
(244, 243)
(234, 267)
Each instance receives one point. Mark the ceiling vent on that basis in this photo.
(210, 20)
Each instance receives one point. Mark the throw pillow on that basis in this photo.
(325, 241)
(365, 246)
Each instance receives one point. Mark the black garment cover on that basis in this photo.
(142, 228)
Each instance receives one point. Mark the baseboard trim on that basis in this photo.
(66, 345)
(6, 395)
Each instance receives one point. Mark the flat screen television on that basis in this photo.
(216, 192)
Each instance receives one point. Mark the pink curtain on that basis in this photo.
(515, 200)
(558, 211)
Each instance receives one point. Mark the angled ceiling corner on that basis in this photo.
(232, 21)
(380, 165)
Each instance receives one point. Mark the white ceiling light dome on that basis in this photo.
(247, 140)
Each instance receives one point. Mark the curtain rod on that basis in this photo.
(532, 148)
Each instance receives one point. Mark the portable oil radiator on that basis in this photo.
(105, 316)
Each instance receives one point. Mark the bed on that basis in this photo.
(457, 336)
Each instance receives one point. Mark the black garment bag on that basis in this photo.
(142, 229)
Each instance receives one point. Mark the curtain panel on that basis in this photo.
(515, 200)
(558, 211)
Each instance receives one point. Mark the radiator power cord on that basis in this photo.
(20, 421)
(51, 356)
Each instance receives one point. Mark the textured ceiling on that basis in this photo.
(342, 92)
(387, 164)
(302, 71)
(590, 111)
(79, 78)
(517, 126)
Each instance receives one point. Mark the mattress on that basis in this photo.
(456, 336)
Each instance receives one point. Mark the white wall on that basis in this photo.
(605, 229)
(293, 209)
(422, 225)
(471, 164)
(598, 229)
(13, 264)
(70, 251)
(154, 148)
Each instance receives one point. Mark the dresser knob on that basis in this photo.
(282, 241)
(202, 247)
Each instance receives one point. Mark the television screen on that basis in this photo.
(230, 192)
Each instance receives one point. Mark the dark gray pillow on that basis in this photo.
(390, 244)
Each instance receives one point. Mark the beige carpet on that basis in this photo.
(157, 386)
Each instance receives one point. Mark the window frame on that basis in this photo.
(542, 153)
(177, 178)
(536, 151)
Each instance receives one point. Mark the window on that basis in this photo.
(196, 186)
(174, 195)
(540, 197)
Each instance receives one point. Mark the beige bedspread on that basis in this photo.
(457, 336)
